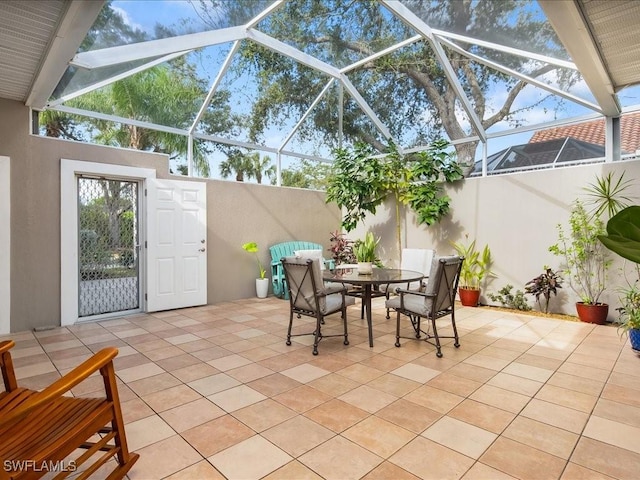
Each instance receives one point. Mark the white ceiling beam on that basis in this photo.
(115, 78)
(382, 53)
(502, 48)
(568, 21)
(264, 13)
(156, 48)
(521, 76)
(73, 27)
(292, 52)
(415, 22)
(353, 91)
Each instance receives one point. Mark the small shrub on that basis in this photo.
(543, 286)
(517, 300)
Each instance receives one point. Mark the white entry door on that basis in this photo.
(176, 244)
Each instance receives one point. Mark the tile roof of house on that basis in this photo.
(593, 132)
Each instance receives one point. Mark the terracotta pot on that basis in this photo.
(592, 313)
(469, 296)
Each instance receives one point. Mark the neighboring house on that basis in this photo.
(563, 145)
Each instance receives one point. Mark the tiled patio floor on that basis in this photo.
(214, 392)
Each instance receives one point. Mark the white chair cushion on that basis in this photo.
(313, 254)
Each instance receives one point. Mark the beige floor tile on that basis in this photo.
(540, 361)
(434, 398)
(607, 459)
(135, 409)
(34, 370)
(171, 397)
(264, 414)
(613, 433)
(500, 398)
(568, 398)
(472, 372)
(232, 462)
(394, 384)
(454, 384)
(199, 471)
(409, 415)
(249, 372)
(298, 435)
(216, 435)
(236, 398)
(482, 415)
(480, 471)
(528, 371)
(340, 458)
(417, 373)
(229, 362)
(146, 431)
(293, 471)
(164, 458)
(522, 461)
(213, 384)
(336, 415)
(515, 384)
(460, 436)
(302, 398)
(361, 373)
(576, 472)
(598, 374)
(621, 394)
(579, 384)
(430, 460)
(618, 412)
(379, 436)
(487, 361)
(305, 373)
(547, 438)
(152, 384)
(191, 414)
(556, 415)
(139, 372)
(367, 398)
(334, 384)
(194, 372)
(386, 471)
(274, 384)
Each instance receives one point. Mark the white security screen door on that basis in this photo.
(176, 244)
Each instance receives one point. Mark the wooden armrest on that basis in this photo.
(6, 345)
(62, 385)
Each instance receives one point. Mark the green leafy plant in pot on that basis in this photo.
(586, 262)
(365, 253)
(623, 238)
(262, 283)
(475, 268)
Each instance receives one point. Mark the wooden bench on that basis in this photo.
(287, 249)
(40, 430)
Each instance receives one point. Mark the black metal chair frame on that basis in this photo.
(314, 310)
(434, 314)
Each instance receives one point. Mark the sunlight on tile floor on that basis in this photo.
(214, 392)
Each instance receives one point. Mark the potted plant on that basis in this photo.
(544, 285)
(262, 283)
(365, 253)
(341, 248)
(475, 267)
(586, 261)
(623, 238)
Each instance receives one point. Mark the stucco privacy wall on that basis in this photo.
(236, 213)
(516, 215)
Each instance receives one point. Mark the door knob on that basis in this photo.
(201, 249)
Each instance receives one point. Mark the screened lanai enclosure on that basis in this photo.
(257, 89)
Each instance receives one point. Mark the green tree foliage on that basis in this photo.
(404, 87)
(306, 174)
(360, 181)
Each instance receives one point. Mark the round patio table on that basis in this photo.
(380, 276)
